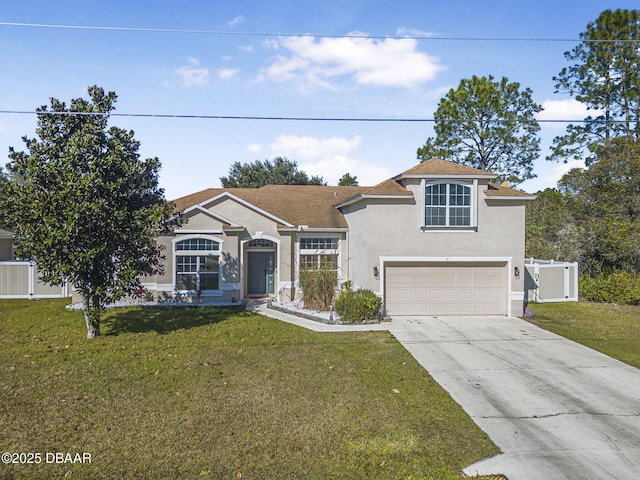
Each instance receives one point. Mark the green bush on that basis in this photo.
(357, 306)
(620, 287)
(318, 288)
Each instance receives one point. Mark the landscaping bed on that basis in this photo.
(297, 308)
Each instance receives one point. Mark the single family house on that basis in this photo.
(437, 239)
(6, 245)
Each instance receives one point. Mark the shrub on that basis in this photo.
(318, 288)
(619, 287)
(357, 306)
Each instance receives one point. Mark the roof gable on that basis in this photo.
(198, 198)
(440, 168)
(287, 205)
(198, 212)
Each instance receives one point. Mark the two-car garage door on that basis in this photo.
(445, 289)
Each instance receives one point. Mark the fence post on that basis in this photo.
(31, 280)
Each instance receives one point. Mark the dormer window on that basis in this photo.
(448, 205)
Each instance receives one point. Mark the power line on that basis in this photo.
(281, 118)
(272, 34)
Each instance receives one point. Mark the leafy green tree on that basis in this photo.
(594, 215)
(280, 171)
(551, 229)
(488, 125)
(605, 77)
(84, 205)
(348, 181)
(3, 181)
(606, 206)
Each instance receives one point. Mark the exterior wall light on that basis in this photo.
(516, 272)
(375, 272)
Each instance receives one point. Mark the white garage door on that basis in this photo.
(443, 289)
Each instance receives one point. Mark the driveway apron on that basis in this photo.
(556, 409)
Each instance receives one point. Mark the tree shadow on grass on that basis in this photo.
(164, 320)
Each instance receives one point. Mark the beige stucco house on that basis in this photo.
(437, 239)
(6, 245)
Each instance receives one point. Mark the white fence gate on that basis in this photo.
(21, 280)
(550, 281)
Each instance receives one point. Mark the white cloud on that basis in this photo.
(437, 93)
(236, 21)
(329, 158)
(191, 75)
(254, 148)
(271, 43)
(568, 109)
(389, 62)
(313, 147)
(227, 72)
(413, 32)
(556, 173)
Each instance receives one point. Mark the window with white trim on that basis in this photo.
(198, 265)
(447, 205)
(197, 244)
(318, 252)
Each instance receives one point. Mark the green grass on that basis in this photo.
(611, 329)
(220, 393)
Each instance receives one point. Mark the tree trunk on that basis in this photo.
(92, 316)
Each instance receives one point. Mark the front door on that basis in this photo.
(260, 273)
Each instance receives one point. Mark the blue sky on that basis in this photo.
(301, 67)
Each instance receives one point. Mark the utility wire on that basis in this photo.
(291, 119)
(271, 34)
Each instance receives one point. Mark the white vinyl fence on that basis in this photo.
(550, 281)
(21, 280)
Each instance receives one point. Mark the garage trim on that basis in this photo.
(465, 260)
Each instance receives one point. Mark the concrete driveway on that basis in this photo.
(556, 409)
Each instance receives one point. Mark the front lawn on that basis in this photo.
(611, 329)
(220, 393)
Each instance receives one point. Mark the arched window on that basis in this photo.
(197, 265)
(447, 205)
(261, 243)
(197, 244)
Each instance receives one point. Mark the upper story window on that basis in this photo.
(448, 205)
